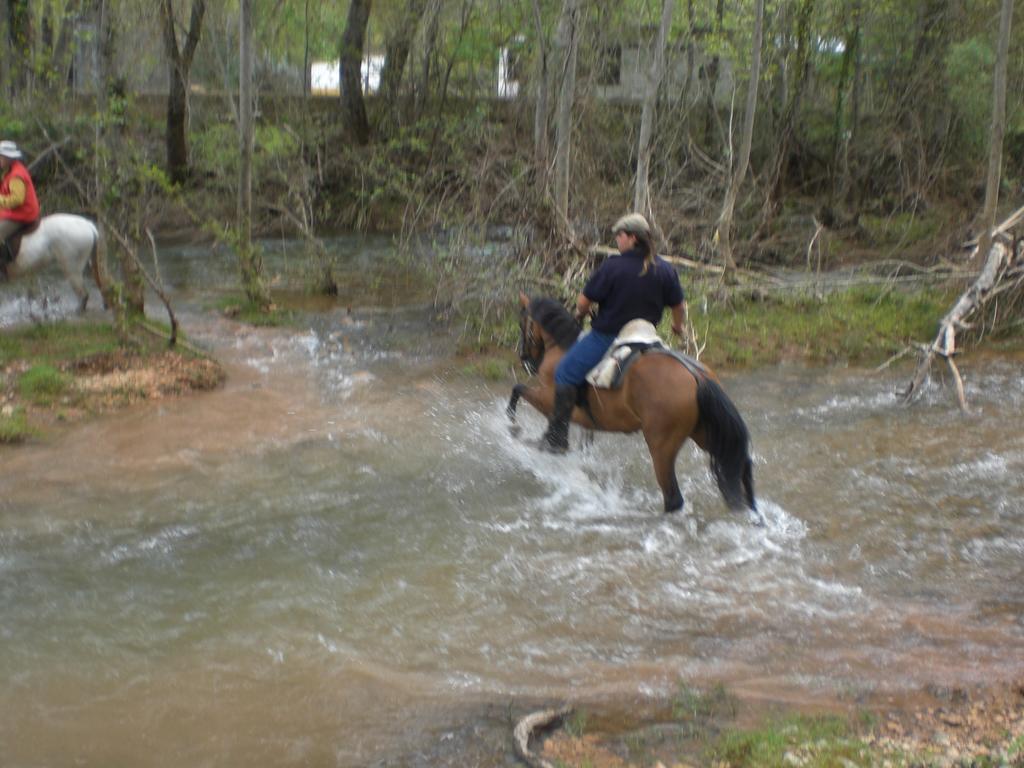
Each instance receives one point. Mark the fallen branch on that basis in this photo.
(696, 266)
(944, 345)
(524, 730)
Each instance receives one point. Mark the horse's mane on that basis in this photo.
(556, 320)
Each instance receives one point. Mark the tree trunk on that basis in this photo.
(353, 42)
(431, 24)
(250, 263)
(724, 233)
(19, 41)
(995, 255)
(842, 127)
(307, 75)
(113, 298)
(133, 293)
(5, 49)
(711, 75)
(540, 109)
(179, 66)
(997, 129)
(397, 49)
(787, 127)
(642, 192)
(568, 41)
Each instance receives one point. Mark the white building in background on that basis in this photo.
(324, 76)
(621, 70)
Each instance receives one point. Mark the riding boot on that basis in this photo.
(556, 438)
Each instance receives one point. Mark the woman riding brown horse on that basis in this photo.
(667, 400)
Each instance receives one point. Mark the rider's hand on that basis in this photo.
(677, 330)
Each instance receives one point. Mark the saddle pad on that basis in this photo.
(635, 336)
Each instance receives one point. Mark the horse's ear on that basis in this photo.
(524, 300)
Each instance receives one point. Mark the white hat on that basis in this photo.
(10, 149)
(633, 223)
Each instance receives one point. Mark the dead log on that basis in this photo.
(999, 258)
(524, 730)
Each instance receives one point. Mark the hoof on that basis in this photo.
(544, 446)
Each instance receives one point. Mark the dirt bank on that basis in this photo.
(936, 727)
(101, 383)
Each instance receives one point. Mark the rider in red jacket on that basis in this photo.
(19, 205)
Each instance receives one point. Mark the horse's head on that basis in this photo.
(531, 340)
(543, 322)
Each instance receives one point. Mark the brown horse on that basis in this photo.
(668, 401)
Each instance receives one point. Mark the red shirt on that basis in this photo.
(28, 211)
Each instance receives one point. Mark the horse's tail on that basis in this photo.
(728, 443)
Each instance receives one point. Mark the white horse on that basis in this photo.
(70, 241)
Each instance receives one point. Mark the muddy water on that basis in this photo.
(343, 558)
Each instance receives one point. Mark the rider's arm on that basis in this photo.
(583, 307)
(678, 318)
(17, 195)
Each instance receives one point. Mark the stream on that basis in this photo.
(343, 558)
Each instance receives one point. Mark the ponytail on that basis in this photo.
(645, 246)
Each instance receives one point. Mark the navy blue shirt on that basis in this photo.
(623, 294)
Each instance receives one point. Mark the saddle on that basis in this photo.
(637, 338)
(11, 247)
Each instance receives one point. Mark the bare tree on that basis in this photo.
(397, 48)
(250, 263)
(179, 67)
(540, 85)
(567, 42)
(642, 192)
(350, 62)
(724, 233)
(995, 256)
(791, 109)
(997, 131)
(18, 45)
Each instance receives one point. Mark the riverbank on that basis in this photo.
(63, 373)
(945, 727)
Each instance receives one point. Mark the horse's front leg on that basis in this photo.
(540, 397)
(510, 409)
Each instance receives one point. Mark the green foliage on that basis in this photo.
(576, 724)
(492, 368)
(969, 67)
(14, 427)
(215, 151)
(42, 384)
(902, 229)
(54, 342)
(246, 311)
(691, 703)
(814, 742)
(862, 325)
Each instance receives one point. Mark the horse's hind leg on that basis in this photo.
(664, 448)
(78, 286)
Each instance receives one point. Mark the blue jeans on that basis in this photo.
(587, 352)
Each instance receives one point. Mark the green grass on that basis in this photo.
(245, 311)
(576, 724)
(56, 342)
(14, 427)
(492, 367)
(864, 325)
(43, 384)
(901, 228)
(691, 703)
(813, 742)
